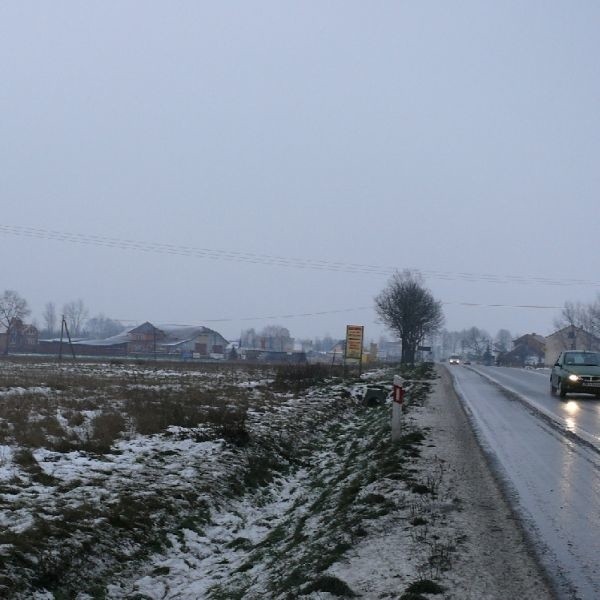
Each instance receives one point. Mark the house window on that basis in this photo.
(201, 348)
(218, 349)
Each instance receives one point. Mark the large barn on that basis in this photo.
(152, 340)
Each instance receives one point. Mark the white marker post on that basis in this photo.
(397, 400)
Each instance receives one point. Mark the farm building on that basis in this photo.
(148, 339)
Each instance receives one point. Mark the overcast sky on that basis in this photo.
(451, 137)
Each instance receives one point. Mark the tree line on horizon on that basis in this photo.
(76, 314)
(405, 305)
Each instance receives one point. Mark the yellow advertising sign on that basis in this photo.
(354, 341)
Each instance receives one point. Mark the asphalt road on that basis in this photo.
(547, 453)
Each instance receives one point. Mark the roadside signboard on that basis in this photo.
(354, 341)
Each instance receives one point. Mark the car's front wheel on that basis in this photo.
(552, 388)
(562, 392)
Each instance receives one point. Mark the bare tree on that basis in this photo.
(451, 342)
(248, 338)
(410, 310)
(276, 337)
(503, 340)
(75, 313)
(50, 318)
(582, 316)
(12, 306)
(101, 327)
(572, 314)
(476, 340)
(594, 317)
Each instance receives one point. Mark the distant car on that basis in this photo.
(454, 360)
(466, 362)
(576, 371)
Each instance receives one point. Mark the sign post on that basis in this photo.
(354, 344)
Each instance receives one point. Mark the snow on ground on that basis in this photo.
(21, 391)
(304, 496)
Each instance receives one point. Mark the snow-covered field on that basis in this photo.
(136, 482)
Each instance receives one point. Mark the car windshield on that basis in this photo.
(591, 359)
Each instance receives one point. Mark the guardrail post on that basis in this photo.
(397, 401)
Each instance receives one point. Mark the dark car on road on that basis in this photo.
(576, 371)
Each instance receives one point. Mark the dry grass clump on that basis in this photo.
(37, 432)
(106, 428)
(297, 377)
(154, 411)
(74, 418)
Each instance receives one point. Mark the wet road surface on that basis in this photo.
(547, 452)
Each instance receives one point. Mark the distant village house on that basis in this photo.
(21, 337)
(569, 338)
(527, 350)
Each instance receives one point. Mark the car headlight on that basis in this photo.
(573, 377)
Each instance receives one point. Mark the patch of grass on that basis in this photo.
(424, 586)
(275, 536)
(419, 488)
(75, 419)
(371, 499)
(224, 592)
(291, 582)
(330, 584)
(359, 531)
(298, 377)
(261, 468)
(411, 439)
(349, 493)
(240, 543)
(332, 556)
(245, 567)
(231, 425)
(26, 460)
(440, 559)
(298, 536)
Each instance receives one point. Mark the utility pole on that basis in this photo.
(65, 329)
(154, 338)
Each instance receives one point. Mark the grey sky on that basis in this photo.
(446, 136)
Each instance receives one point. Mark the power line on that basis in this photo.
(528, 306)
(348, 310)
(270, 260)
